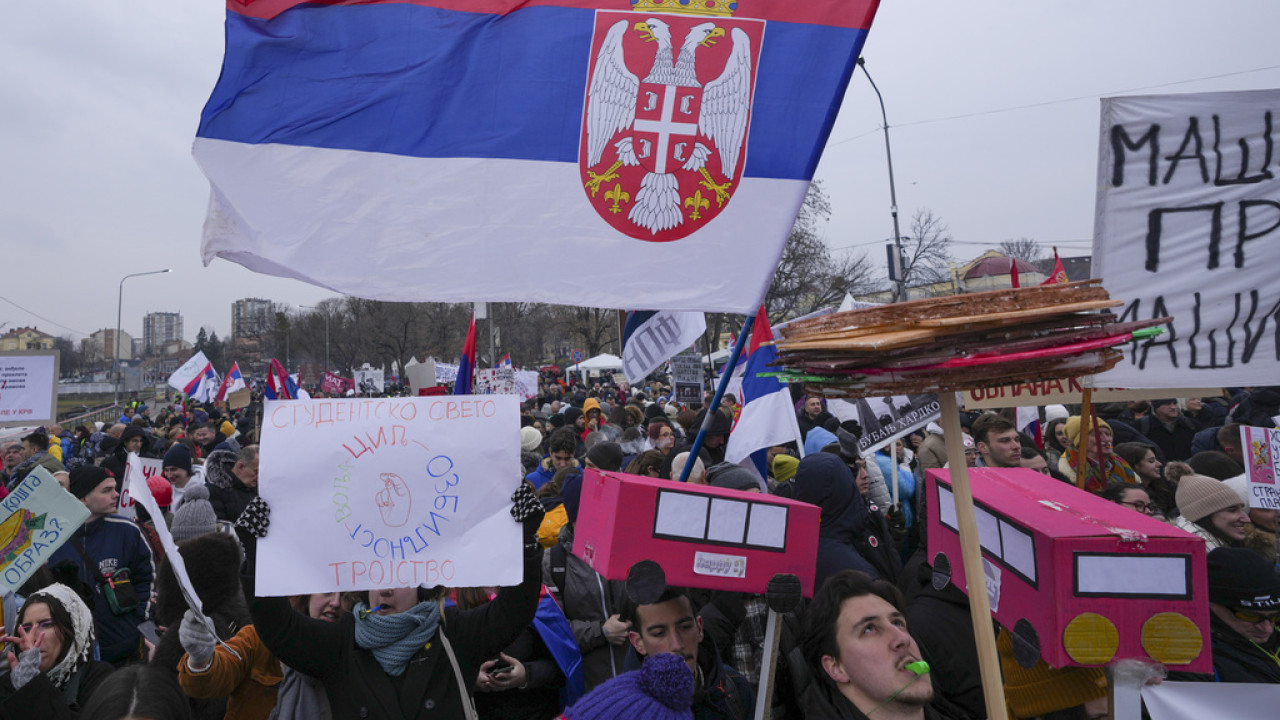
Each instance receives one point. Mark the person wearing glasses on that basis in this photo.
(1132, 496)
(1244, 605)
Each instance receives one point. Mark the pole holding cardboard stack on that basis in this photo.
(942, 345)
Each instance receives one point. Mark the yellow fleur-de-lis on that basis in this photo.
(697, 202)
(617, 195)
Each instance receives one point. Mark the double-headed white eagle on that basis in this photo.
(611, 107)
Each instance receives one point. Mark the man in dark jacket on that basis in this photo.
(1168, 429)
(850, 536)
(859, 654)
(1244, 606)
(812, 415)
(232, 479)
(669, 625)
(112, 545)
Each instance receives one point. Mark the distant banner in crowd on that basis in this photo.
(1199, 700)
(28, 388)
(1261, 448)
(653, 337)
(1066, 392)
(335, 384)
(446, 373)
(1187, 211)
(351, 508)
(686, 376)
(534, 159)
(368, 381)
(503, 380)
(886, 419)
(39, 517)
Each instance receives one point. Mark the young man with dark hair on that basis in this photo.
(562, 445)
(861, 658)
(671, 626)
(997, 442)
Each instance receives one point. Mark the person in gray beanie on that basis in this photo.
(732, 476)
(1211, 510)
(195, 517)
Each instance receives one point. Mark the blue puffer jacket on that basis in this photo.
(113, 542)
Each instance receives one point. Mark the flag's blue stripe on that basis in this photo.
(424, 82)
(635, 320)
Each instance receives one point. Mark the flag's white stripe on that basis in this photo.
(764, 422)
(463, 229)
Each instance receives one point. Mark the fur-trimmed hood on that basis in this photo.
(217, 470)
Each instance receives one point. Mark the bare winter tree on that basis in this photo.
(1024, 249)
(808, 278)
(927, 250)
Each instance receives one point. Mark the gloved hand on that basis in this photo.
(256, 518)
(897, 521)
(527, 510)
(197, 641)
(27, 668)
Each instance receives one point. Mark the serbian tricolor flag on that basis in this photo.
(768, 417)
(1059, 274)
(232, 382)
(196, 378)
(279, 385)
(467, 365)
(506, 361)
(669, 137)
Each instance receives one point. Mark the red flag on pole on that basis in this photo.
(1059, 274)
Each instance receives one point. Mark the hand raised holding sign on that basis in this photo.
(394, 500)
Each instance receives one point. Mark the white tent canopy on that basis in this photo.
(604, 361)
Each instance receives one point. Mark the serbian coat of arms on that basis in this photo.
(668, 108)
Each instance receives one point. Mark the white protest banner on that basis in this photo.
(39, 516)
(28, 388)
(886, 419)
(651, 337)
(136, 485)
(1187, 207)
(527, 384)
(1067, 392)
(149, 467)
(388, 493)
(421, 376)
(686, 376)
(1199, 700)
(1261, 448)
(446, 373)
(495, 381)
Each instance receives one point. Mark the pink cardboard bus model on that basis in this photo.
(1076, 579)
(703, 537)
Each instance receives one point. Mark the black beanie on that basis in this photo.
(179, 456)
(1239, 577)
(606, 455)
(85, 478)
(571, 415)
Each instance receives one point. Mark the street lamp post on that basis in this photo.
(900, 292)
(115, 351)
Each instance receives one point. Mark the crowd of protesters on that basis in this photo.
(103, 631)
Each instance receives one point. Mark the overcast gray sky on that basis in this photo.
(993, 109)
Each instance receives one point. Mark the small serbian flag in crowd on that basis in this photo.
(279, 385)
(196, 378)
(232, 382)
(768, 417)
(467, 365)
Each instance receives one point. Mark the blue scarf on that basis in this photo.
(394, 639)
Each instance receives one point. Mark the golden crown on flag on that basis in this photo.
(722, 8)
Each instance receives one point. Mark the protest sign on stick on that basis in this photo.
(389, 493)
(28, 388)
(886, 419)
(1261, 448)
(686, 374)
(39, 517)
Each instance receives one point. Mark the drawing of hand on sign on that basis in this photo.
(394, 500)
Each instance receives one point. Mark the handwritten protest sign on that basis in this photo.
(1261, 448)
(39, 516)
(28, 388)
(386, 493)
(1185, 218)
(495, 381)
(149, 467)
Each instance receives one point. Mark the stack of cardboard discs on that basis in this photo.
(959, 342)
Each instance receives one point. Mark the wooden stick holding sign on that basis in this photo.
(782, 597)
(971, 551)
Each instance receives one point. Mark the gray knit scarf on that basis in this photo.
(394, 639)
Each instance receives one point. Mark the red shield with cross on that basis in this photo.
(666, 119)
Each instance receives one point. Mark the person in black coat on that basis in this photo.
(397, 660)
(850, 536)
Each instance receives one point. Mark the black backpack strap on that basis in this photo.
(559, 568)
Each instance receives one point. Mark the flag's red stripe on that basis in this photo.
(837, 13)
